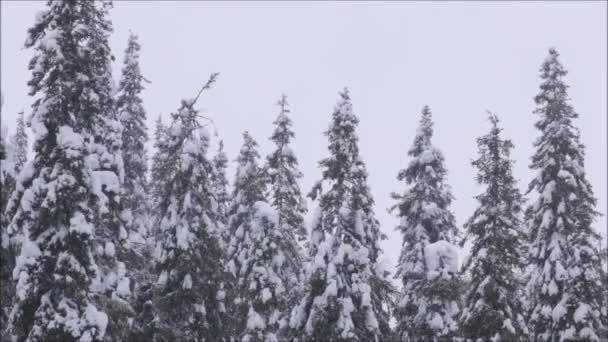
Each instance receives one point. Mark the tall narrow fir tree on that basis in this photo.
(132, 114)
(187, 300)
(7, 252)
(260, 258)
(492, 303)
(220, 187)
(283, 173)
(428, 305)
(19, 140)
(59, 194)
(338, 303)
(565, 285)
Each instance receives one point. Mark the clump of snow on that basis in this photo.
(254, 320)
(507, 324)
(263, 209)
(581, 312)
(95, 318)
(123, 288)
(183, 236)
(109, 249)
(558, 312)
(79, 224)
(162, 278)
(441, 259)
(67, 138)
(266, 295)
(187, 283)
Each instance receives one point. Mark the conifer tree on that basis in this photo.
(565, 284)
(383, 291)
(604, 272)
(493, 307)
(283, 173)
(286, 198)
(186, 304)
(132, 116)
(258, 259)
(7, 170)
(155, 184)
(19, 140)
(112, 285)
(144, 326)
(339, 302)
(220, 188)
(219, 183)
(60, 194)
(427, 308)
(134, 138)
(7, 255)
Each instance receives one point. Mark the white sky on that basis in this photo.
(459, 58)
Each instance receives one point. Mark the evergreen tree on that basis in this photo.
(7, 169)
(155, 184)
(7, 255)
(565, 284)
(132, 115)
(219, 183)
(19, 140)
(604, 309)
(493, 308)
(187, 300)
(112, 286)
(427, 308)
(339, 302)
(61, 195)
(220, 188)
(283, 172)
(382, 290)
(258, 258)
(134, 138)
(286, 198)
(144, 326)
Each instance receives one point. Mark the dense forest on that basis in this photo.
(102, 241)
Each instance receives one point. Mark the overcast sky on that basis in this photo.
(459, 58)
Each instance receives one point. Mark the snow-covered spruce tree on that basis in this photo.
(187, 299)
(286, 198)
(382, 290)
(219, 183)
(338, 302)
(427, 308)
(604, 272)
(19, 140)
(60, 193)
(283, 173)
(7, 169)
(492, 307)
(111, 288)
(7, 255)
(258, 258)
(565, 285)
(155, 185)
(132, 114)
(143, 328)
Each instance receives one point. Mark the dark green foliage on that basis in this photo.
(492, 305)
(565, 285)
